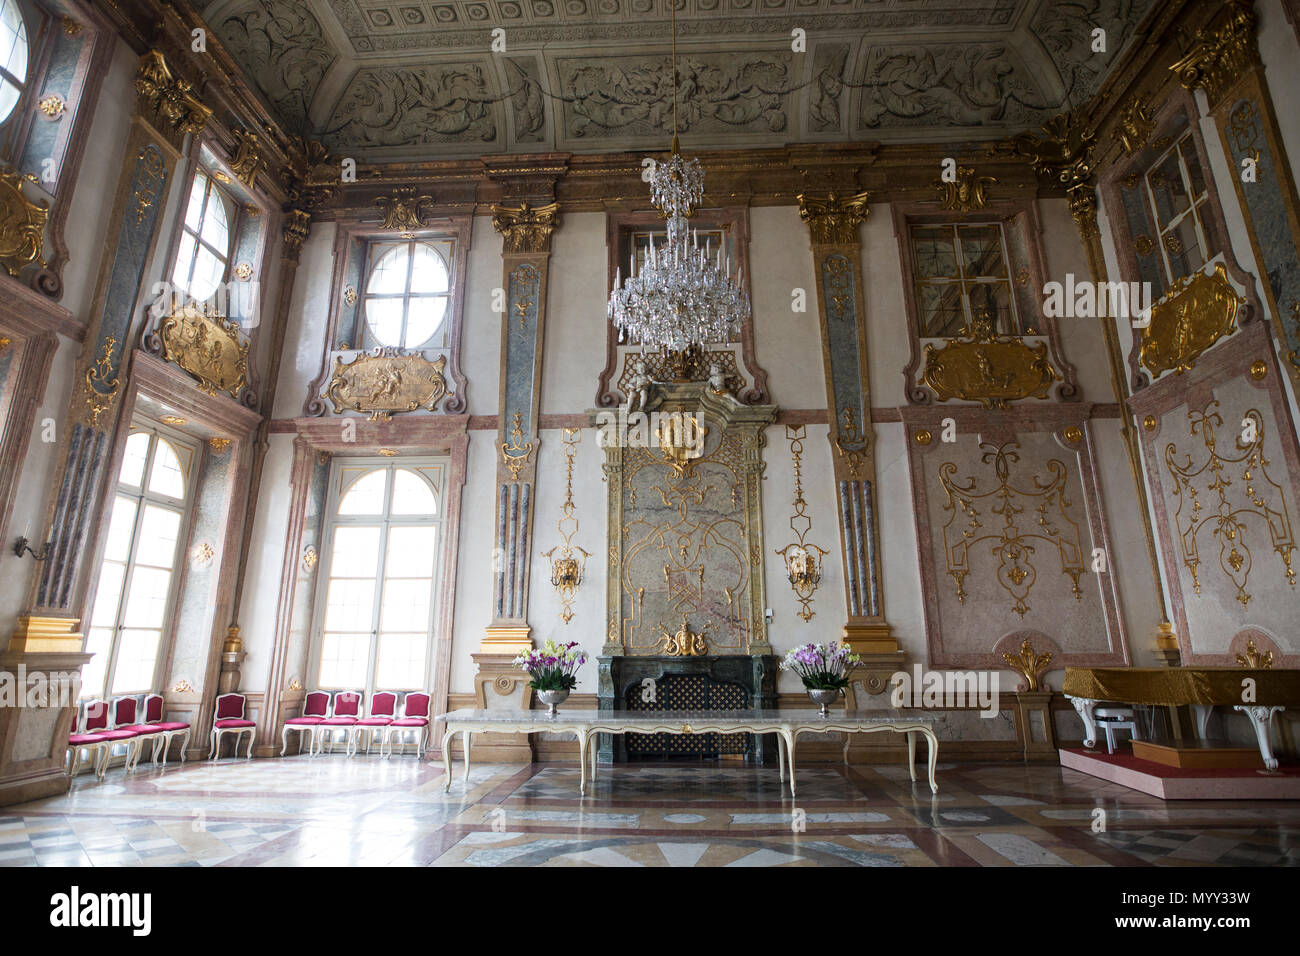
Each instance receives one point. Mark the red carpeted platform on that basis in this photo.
(1184, 783)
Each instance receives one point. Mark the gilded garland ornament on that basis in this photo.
(515, 454)
(101, 389)
(803, 559)
(568, 561)
(1240, 494)
(1013, 546)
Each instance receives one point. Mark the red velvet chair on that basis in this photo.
(96, 728)
(347, 711)
(315, 708)
(125, 713)
(153, 715)
(383, 709)
(230, 720)
(414, 720)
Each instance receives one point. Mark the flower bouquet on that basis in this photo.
(552, 668)
(822, 668)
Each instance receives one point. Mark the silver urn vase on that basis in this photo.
(551, 698)
(823, 698)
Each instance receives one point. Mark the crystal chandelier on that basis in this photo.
(683, 295)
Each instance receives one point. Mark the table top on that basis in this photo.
(626, 718)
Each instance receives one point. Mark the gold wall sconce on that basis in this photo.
(568, 561)
(803, 560)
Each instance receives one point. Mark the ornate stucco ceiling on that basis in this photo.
(408, 79)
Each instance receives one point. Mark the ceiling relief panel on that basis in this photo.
(386, 77)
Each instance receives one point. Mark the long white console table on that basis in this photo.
(786, 724)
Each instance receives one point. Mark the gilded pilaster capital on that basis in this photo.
(526, 228)
(833, 220)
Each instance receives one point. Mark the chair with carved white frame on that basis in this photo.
(347, 711)
(153, 715)
(230, 719)
(383, 710)
(414, 720)
(126, 713)
(94, 737)
(315, 708)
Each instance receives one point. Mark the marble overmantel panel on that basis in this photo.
(1008, 542)
(1221, 456)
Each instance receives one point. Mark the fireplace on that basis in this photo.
(645, 684)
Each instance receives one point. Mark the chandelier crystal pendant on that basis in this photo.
(683, 295)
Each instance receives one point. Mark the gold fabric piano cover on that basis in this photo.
(1206, 686)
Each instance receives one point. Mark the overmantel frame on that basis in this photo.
(620, 224)
(1015, 214)
(351, 257)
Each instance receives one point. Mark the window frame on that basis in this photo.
(961, 279)
(438, 338)
(332, 520)
(185, 506)
(1194, 204)
(24, 83)
(213, 186)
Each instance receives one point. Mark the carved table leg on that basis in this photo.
(582, 762)
(446, 757)
(780, 755)
(911, 754)
(789, 739)
(1084, 706)
(1261, 717)
(932, 749)
(464, 739)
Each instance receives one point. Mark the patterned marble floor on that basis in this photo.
(337, 811)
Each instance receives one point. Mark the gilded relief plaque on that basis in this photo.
(208, 346)
(385, 381)
(1198, 311)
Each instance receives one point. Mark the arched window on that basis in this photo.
(407, 292)
(136, 591)
(375, 624)
(204, 249)
(13, 57)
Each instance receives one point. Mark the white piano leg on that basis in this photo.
(1261, 718)
(1084, 706)
(1202, 712)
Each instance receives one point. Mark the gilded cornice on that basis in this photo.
(167, 101)
(832, 220)
(1222, 54)
(526, 228)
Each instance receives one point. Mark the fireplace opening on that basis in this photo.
(688, 692)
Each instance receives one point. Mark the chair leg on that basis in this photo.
(212, 753)
(284, 740)
(252, 735)
(185, 742)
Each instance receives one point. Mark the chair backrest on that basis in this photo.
(230, 706)
(383, 704)
(124, 710)
(416, 704)
(347, 703)
(317, 704)
(96, 715)
(153, 708)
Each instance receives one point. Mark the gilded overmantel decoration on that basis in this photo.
(403, 210)
(525, 228)
(1240, 493)
(683, 643)
(208, 346)
(987, 367)
(1196, 312)
(168, 102)
(832, 220)
(22, 224)
(1063, 153)
(1046, 507)
(568, 561)
(967, 192)
(1222, 54)
(386, 381)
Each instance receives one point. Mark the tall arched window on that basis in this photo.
(204, 249)
(382, 542)
(137, 577)
(408, 289)
(13, 57)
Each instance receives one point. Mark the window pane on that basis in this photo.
(146, 597)
(355, 553)
(133, 458)
(184, 262)
(93, 672)
(1167, 189)
(935, 255)
(1193, 163)
(406, 605)
(216, 224)
(384, 316)
(412, 494)
(120, 528)
(13, 40)
(343, 660)
(208, 272)
(993, 299)
(166, 477)
(137, 655)
(194, 210)
(981, 248)
(941, 310)
(159, 529)
(424, 316)
(8, 99)
(366, 496)
(428, 271)
(388, 274)
(401, 661)
(350, 605)
(410, 552)
(108, 595)
(1183, 246)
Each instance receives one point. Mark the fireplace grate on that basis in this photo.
(687, 692)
